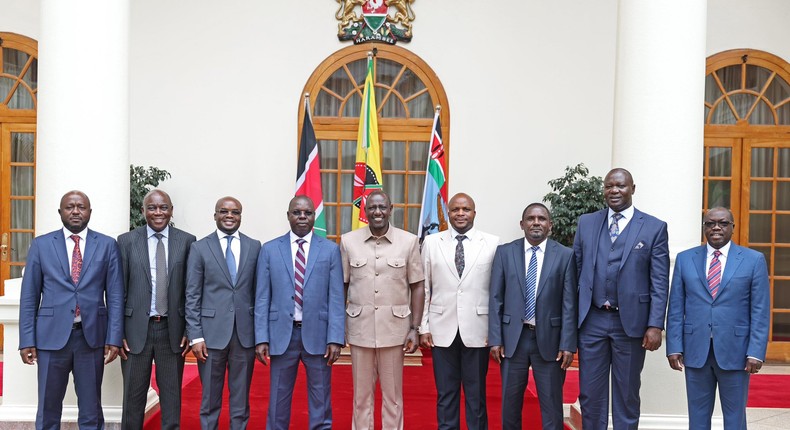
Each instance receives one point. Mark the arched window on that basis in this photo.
(18, 89)
(747, 165)
(407, 91)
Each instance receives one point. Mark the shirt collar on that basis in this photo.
(307, 238)
(221, 235)
(627, 213)
(469, 234)
(387, 235)
(541, 245)
(83, 234)
(724, 249)
(150, 232)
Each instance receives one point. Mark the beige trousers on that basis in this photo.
(386, 365)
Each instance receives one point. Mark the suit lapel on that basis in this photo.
(90, 250)
(698, 259)
(471, 253)
(216, 249)
(312, 257)
(518, 255)
(59, 242)
(284, 246)
(140, 248)
(599, 220)
(733, 261)
(633, 227)
(447, 248)
(244, 250)
(549, 260)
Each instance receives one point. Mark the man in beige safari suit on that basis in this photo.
(383, 274)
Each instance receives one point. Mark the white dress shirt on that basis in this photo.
(235, 245)
(627, 214)
(294, 247)
(528, 256)
(152, 242)
(70, 252)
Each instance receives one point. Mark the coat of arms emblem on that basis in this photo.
(375, 24)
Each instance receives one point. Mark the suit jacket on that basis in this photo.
(49, 297)
(138, 289)
(457, 304)
(555, 306)
(737, 318)
(643, 280)
(323, 309)
(214, 305)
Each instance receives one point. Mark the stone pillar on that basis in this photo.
(658, 136)
(83, 143)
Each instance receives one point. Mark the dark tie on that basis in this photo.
(614, 229)
(714, 274)
(460, 263)
(531, 285)
(76, 266)
(299, 265)
(161, 276)
(230, 260)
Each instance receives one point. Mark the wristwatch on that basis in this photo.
(416, 327)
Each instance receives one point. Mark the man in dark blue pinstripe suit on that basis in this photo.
(154, 268)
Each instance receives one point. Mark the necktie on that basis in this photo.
(161, 276)
(614, 229)
(299, 265)
(531, 285)
(459, 254)
(76, 266)
(230, 260)
(714, 274)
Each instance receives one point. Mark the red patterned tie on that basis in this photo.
(714, 274)
(76, 266)
(299, 265)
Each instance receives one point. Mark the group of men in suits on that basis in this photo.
(158, 293)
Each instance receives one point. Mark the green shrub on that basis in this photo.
(572, 196)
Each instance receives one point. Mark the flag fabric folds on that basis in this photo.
(308, 171)
(433, 214)
(367, 170)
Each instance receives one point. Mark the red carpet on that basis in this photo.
(419, 399)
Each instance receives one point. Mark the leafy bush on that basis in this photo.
(572, 196)
(142, 181)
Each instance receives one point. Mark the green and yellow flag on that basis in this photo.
(367, 171)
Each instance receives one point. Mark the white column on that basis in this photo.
(658, 137)
(83, 143)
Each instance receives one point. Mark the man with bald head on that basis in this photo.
(457, 265)
(300, 316)
(71, 313)
(717, 326)
(622, 255)
(220, 297)
(154, 260)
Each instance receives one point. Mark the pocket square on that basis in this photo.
(639, 245)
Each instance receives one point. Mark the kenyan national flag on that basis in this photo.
(308, 171)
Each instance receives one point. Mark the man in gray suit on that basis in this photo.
(219, 314)
(300, 316)
(532, 317)
(154, 272)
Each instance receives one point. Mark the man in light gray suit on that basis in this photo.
(154, 272)
(300, 316)
(532, 318)
(219, 313)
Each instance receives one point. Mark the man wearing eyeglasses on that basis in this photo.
(154, 260)
(219, 313)
(717, 326)
(299, 316)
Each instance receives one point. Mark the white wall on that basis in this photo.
(753, 24)
(20, 17)
(215, 92)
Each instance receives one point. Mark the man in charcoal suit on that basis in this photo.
(300, 316)
(717, 327)
(219, 313)
(532, 318)
(154, 260)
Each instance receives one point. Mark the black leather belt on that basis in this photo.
(158, 318)
(530, 326)
(77, 326)
(298, 324)
(607, 308)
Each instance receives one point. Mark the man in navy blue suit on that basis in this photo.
(71, 313)
(299, 315)
(717, 327)
(622, 255)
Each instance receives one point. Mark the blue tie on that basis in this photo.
(531, 285)
(230, 260)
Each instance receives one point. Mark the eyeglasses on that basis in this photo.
(721, 224)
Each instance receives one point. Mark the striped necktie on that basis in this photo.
(714, 274)
(300, 262)
(531, 285)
